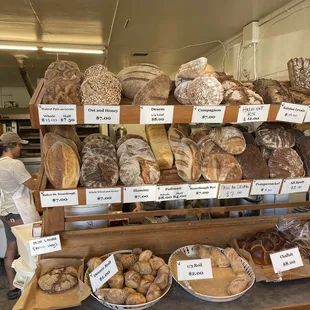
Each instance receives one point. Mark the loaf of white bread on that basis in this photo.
(157, 138)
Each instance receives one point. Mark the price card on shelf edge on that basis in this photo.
(103, 195)
(94, 114)
(234, 190)
(139, 193)
(59, 198)
(103, 273)
(171, 192)
(253, 113)
(156, 114)
(291, 112)
(307, 118)
(45, 245)
(202, 191)
(266, 187)
(57, 114)
(195, 269)
(298, 185)
(286, 260)
(214, 114)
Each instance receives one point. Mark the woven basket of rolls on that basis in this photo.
(232, 275)
(142, 280)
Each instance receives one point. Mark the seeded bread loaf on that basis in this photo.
(299, 72)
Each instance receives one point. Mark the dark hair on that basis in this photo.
(4, 147)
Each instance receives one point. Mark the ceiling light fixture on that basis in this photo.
(71, 50)
(18, 48)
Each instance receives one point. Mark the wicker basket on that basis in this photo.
(126, 307)
(188, 250)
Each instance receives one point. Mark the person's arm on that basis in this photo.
(31, 183)
(23, 176)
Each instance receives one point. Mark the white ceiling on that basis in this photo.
(154, 26)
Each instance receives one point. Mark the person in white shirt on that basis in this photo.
(13, 178)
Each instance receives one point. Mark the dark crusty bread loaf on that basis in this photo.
(154, 92)
(302, 147)
(253, 164)
(299, 72)
(285, 163)
(97, 143)
(96, 136)
(62, 166)
(99, 151)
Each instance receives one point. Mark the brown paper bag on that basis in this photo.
(266, 272)
(33, 298)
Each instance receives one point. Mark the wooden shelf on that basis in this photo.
(130, 114)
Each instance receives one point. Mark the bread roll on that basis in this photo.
(135, 299)
(128, 260)
(137, 251)
(219, 258)
(162, 280)
(157, 138)
(113, 295)
(221, 167)
(239, 284)
(62, 166)
(144, 286)
(228, 138)
(204, 252)
(117, 281)
(156, 262)
(153, 293)
(145, 256)
(143, 268)
(234, 260)
(93, 263)
(188, 160)
(163, 269)
(154, 92)
(132, 279)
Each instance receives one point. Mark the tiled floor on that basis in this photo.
(5, 304)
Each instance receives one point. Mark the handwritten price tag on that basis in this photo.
(195, 269)
(208, 114)
(101, 114)
(253, 113)
(266, 187)
(59, 198)
(156, 114)
(57, 114)
(295, 185)
(140, 193)
(202, 191)
(104, 195)
(234, 190)
(45, 245)
(286, 260)
(103, 273)
(171, 192)
(293, 113)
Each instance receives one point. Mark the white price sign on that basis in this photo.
(171, 192)
(45, 245)
(307, 118)
(57, 114)
(291, 112)
(286, 260)
(253, 113)
(202, 191)
(59, 198)
(214, 114)
(103, 195)
(266, 187)
(101, 114)
(103, 273)
(140, 193)
(195, 269)
(234, 190)
(295, 185)
(156, 114)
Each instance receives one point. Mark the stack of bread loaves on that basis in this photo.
(99, 162)
(136, 160)
(145, 83)
(62, 82)
(61, 161)
(100, 87)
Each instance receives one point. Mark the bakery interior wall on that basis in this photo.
(283, 34)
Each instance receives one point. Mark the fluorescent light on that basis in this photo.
(71, 50)
(16, 47)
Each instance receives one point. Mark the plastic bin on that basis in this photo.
(23, 234)
(23, 274)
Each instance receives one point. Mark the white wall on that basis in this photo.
(284, 36)
(18, 94)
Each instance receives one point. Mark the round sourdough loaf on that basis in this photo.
(96, 136)
(100, 151)
(181, 93)
(221, 167)
(133, 145)
(124, 138)
(97, 143)
(193, 69)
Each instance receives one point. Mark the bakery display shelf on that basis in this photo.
(130, 114)
(14, 114)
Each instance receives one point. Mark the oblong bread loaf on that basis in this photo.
(208, 147)
(200, 133)
(175, 136)
(228, 138)
(62, 166)
(221, 167)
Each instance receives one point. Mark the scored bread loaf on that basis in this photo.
(157, 138)
(193, 69)
(228, 138)
(188, 160)
(208, 147)
(200, 134)
(175, 135)
(62, 166)
(221, 167)
(154, 92)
